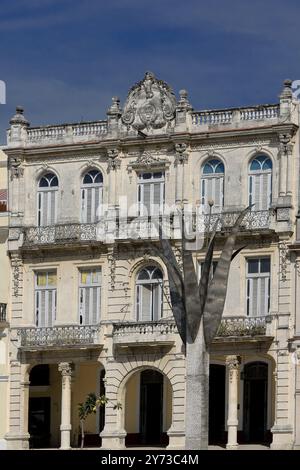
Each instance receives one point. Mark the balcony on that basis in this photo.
(60, 234)
(139, 228)
(59, 337)
(253, 221)
(3, 313)
(136, 334)
(242, 326)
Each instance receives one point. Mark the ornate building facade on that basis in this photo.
(4, 299)
(90, 309)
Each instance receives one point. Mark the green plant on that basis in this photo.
(89, 406)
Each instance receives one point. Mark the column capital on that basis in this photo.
(66, 368)
(233, 362)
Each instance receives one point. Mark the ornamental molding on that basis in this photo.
(15, 165)
(150, 104)
(16, 264)
(297, 265)
(45, 161)
(283, 260)
(285, 144)
(181, 156)
(234, 143)
(113, 162)
(111, 258)
(147, 160)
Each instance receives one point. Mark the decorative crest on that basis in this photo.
(150, 104)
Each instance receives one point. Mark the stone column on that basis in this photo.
(296, 359)
(282, 173)
(180, 160)
(17, 437)
(66, 370)
(289, 170)
(232, 363)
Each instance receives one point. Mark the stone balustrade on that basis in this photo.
(58, 336)
(227, 116)
(89, 131)
(138, 333)
(242, 326)
(68, 132)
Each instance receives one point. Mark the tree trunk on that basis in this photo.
(82, 433)
(197, 392)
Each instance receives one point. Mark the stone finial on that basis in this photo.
(183, 101)
(19, 117)
(115, 107)
(287, 90)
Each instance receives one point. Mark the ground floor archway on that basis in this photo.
(44, 404)
(255, 376)
(217, 385)
(148, 409)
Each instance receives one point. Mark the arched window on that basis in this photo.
(91, 196)
(260, 183)
(212, 185)
(149, 294)
(47, 199)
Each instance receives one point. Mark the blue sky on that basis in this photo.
(63, 60)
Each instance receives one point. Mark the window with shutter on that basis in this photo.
(212, 185)
(89, 296)
(91, 197)
(45, 298)
(47, 200)
(151, 193)
(260, 183)
(149, 294)
(258, 286)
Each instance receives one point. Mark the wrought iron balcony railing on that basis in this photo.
(253, 220)
(242, 326)
(106, 230)
(58, 336)
(62, 233)
(3, 312)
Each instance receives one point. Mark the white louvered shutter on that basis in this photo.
(46, 208)
(45, 306)
(260, 188)
(145, 303)
(258, 293)
(156, 302)
(89, 299)
(212, 189)
(146, 199)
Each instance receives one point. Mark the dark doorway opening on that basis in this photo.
(151, 407)
(39, 422)
(255, 402)
(217, 404)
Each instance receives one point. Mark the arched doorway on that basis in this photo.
(148, 409)
(151, 407)
(217, 404)
(39, 410)
(255, 401)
